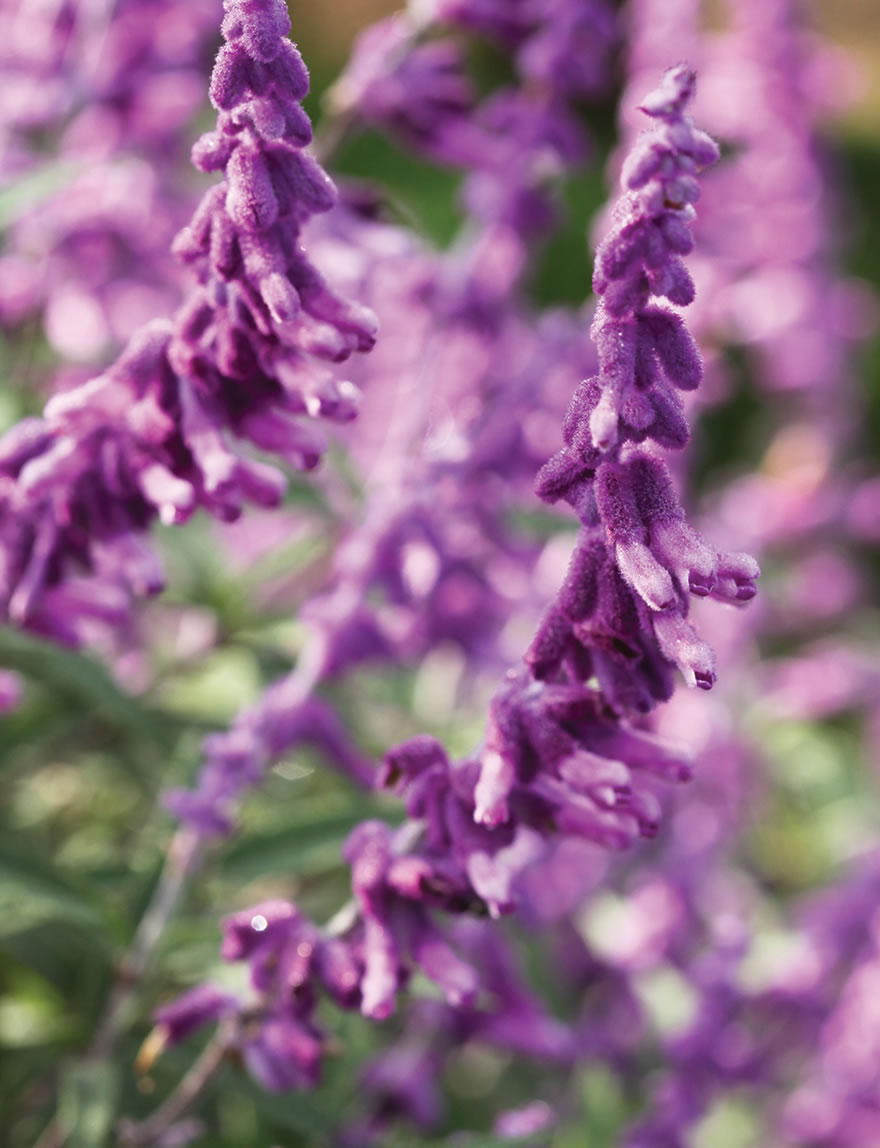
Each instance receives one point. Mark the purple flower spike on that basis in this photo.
(277, 1037)
(620, 492)
(418, 90)
(506, 20)
(558, 758)
(155, 435)
(260, 26)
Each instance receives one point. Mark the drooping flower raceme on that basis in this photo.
(622, 492)
(557, 752)
(242, 359)
(776, 293)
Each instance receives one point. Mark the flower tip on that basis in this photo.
(462, 998)
(309, 461)
(381, 1010)
(491, 815)
(171, 515)
(490, 795)
(675, 92)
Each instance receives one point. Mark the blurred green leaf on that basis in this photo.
(466, 1140)
(213, 691)
(306, 845)
(72, 957)
(79, 679)
(28, 191)
(88, 1103)
(31, 889)
(504, 1142)
(421, 193)
(306, 1113)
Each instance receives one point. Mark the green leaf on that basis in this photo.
(304, 845)
(31, 889)
(73, 958)
(479, 1141)
(423, 194)
(88, 1103)
(299, 1112)
(465, 1140)
(79, 680)
(213, 691)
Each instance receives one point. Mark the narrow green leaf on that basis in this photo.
(73, 957)
(31, 889)
(88, 1103)
(304, 846)
(30, 190)
(79, 680)
(299, 1112)
(481, 1141)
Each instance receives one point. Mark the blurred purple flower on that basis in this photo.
(10, 691)
(149, 437)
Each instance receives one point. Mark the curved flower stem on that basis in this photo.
(182, 860)
(333, 132)
(191, 1086)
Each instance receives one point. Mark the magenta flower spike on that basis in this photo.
(157, 435)
(637, 560)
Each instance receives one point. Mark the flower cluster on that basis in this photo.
(243, 357)
(558, 759)
(291, 964)
(434, 561)
(462, 401)
(779, 1031)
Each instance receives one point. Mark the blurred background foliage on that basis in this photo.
(83, 759)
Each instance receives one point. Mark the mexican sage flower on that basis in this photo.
(244, 360)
